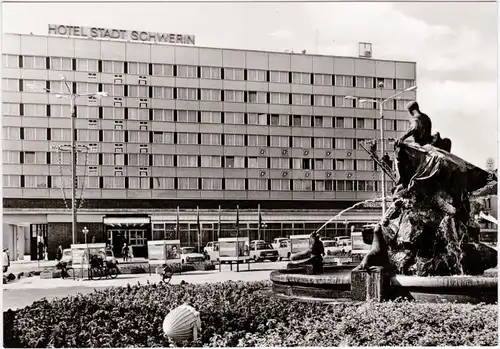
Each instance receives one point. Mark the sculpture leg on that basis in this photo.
(378, 254)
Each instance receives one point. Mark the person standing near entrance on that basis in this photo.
(125, 251)
(59, 253)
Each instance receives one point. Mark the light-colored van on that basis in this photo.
(211, 251)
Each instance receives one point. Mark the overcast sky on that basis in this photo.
(454, 45)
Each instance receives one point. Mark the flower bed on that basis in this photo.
(238, 314)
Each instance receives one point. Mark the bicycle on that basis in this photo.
(99, 267)
(166, 274)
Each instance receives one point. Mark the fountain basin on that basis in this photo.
(335, 285)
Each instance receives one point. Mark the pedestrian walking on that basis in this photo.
(125, 252)
(59, 253)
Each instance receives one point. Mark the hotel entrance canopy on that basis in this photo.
(126, 222)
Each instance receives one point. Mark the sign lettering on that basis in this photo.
(120, 34)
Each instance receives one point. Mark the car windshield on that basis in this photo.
(262, 246)
(67, 253)
(329, 244)
(189, 250)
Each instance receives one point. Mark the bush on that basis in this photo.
(239, 314)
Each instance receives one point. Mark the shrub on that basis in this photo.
(240, 314)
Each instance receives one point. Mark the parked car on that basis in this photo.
(191, 255)
(211, 251)
(285, 249)
(262, 251)
(6, 260)
(276, 242)
(106, 254)
(257, 242)
(67, 257)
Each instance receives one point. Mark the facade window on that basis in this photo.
(326, 185)
(302, 164)
(187, 161)
(11, 157)
(11, 109)
(323, 164)
(323, 100)
(87, 112)
(113, 113)
(112, 67)
(138, 114)
(11, 61)
(345, 185)
(211, 183)
(138, 183)
(61, 63)
(35, 158)
(113, 90)
(12, 85)
(256, 75)
(163, 160)
(279, 120)
(60, 134)
(163, 92)
(279, 98)
(302, 185)
(281, 163)
(280, 184)
(389, 125)
(138, 159)
(187, 116)
(64, 158)
(342, 122)
(342, 102)
(402, 125)
(344, 80)
(87, 65)
(187, 93)
(163, 69)
(211, 117)
(35, 110)
(301, 99)
(82, 159)
(187, 138)
(35, 181)
(257, 162)
(257, 97)
(234, 140)
(344, 164)
(323, 143)
(138, 68)
(257, 140)
(211, 138)
(257, 184)
(163, 137)
(323, 79)
(210, 72)
(401, 104)
(366, 186)
(137, 91)
(301, 142)
(86, 87)
(12, 181)
(280, 141)
(364, 165)
(11, 133)
(388, 83)
(234, 118)
(234, 162)
(163, 183)
(279, 76)
(35, 134)
(60, 87)
(257, 119)
(235, 184)
(187, 183)
(322, 121)
(163, 115)
(344, 143)
(403, 84)
(211, 161)
(234, 96)
(186, 71)
(364, 81)
(210, 95)
(301, 78)
(34, 62)
(114, 182)
(234, 74)
(366, 105)
(113, 136)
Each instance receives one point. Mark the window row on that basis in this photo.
(180, 138)
(165, 160)
(23, 181)
(205, 72)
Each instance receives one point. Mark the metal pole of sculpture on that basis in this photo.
(382, 146)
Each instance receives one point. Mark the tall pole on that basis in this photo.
(381, 106)
(73, 170)
(259, 221)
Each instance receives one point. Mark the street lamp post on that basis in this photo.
(85, 231)
(72, 97)
(381, 102)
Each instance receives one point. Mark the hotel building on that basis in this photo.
(188, 126)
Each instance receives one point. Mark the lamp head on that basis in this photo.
(381, 84)
(411, 88)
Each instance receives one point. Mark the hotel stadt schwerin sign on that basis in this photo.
(120, 34)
